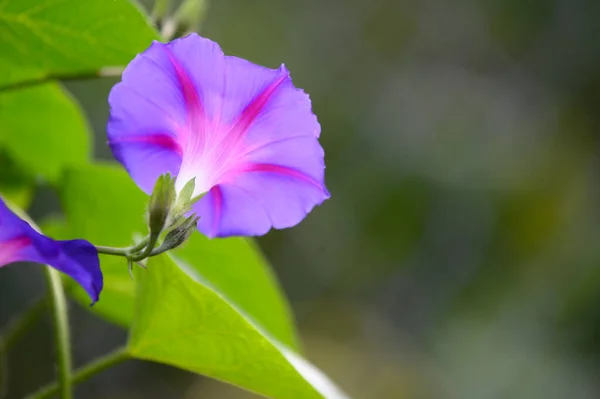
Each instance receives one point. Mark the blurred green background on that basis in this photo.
(458, 256)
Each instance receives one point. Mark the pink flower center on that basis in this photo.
(10, 249)
(213, 152)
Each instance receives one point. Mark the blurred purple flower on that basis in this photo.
(19, 242)
(244, 132)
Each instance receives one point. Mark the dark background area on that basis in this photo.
(459, 254)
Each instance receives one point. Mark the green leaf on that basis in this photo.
(55, 227)
(236, 268)
(43, 130)
(15, 185)
(52, 38)
(183, 322)
(103, 205)
(20, 196)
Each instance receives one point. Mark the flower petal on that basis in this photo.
(19, 242)
(231, 211)
(282, 181)
(303, 154)
(147, 157)
(243, 131)
(147, 112)
(285, 115)
(148, 99)
(201, 65)
(10, 248)
(248, 90)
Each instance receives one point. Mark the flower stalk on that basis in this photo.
(97, 366)
(166, 217)
(61, 332)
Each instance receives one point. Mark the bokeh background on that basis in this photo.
(459, 255)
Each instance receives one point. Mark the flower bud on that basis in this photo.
(184, 203)
(161, 203)
(180, 234)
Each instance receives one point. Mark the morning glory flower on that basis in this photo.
(244, 133)
(19, 242)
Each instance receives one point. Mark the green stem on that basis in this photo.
(152, 240)
(61, 331)
(160, 10)
(159, 250)
(112, 251)
(127, 252)
(91, 74)
(83, 374)
(140, 245)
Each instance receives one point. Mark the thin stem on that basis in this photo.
(127, 252)
(152, 240)
(140, 245)
(112, 251)
(159, 250)
(61, 332)
(15, 330)
(83, 374)
(101, 73)
(160, 10)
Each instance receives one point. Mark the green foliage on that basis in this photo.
(223, 317)
(15, 185)
(236, 268)
(41, 126)
(182, 322)
(43, 129)
(68, 37)
(211, 306)
(102, 205)
(111, 210)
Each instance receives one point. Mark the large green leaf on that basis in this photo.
(183, 322)
(104, 206)
(45, 38)
(43, 130)
(235, 268)
(15, 185)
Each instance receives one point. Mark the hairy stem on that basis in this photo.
(61, 331)
(141, 245)
(83, 374)
(112, 251)
(152, 241)
(126, 252)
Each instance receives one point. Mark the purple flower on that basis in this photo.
(19, 242)
(244, 132)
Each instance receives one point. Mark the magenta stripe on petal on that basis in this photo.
(282, 170)
(19, 242)
(192, 100)
(217, 119)
(9, 249)
(255, 107)
(161, 140)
